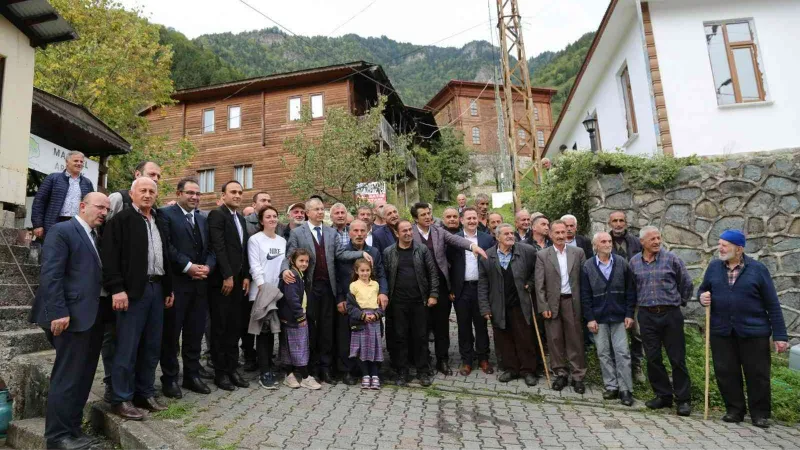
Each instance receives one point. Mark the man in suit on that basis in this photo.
(464, 295)
(136, 273)
(573, 239)
(191, 261)
(522, 223)
(122, 199)
(451, 220)
(67, 306)
(384, 235)
(322, 243)
(59, 196)
(558, 294)
(344, 273)
(506, 278)
(437, 241)
(229, 284)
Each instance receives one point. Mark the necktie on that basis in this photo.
(319, 235)
(190, 218)
(238, 227)
(94, 238)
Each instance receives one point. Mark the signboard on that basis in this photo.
(47, 157)
(371, 192)
(500, 199)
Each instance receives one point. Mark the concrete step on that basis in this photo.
(20, 342)
(128, 434)
(28, 434)
(15, 318)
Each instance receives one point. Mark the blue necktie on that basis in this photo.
(319, 235)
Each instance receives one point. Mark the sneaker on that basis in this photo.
(291, 381)
(310, 383)
(376, 383)
(365, 381)
(267, 381)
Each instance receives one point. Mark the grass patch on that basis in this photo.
(198, 431)
(175, 410)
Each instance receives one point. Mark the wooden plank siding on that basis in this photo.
(265, 125)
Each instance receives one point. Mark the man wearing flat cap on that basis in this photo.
(744, 314)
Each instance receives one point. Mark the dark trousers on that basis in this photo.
(248, 340)
(516, 343)
(732, 356)
(409, 322)
(187, 316)
(665, 329)
(320, 313)
(71, 379)
(138, 350)
(225, 329)
(108, 350)
(565, 341)
(346, 364)
(439, 317)
(265, 343)
(468, 314)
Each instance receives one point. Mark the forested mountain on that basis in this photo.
(417, 72)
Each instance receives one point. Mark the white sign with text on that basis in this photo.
(47, 157)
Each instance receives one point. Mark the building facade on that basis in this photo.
(683, 77)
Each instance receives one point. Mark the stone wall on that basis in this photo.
(756, 193)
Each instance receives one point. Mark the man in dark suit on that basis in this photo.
(344, 272)
(67, 306)
(136, 273)
(437, 240)
(464, 277)
(383, 236)
(322, 243)
(229, 284)
(59, 195)
(191, 261)
(522, 225)
(574, 239)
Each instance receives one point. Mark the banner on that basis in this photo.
(47, 157)
(371, 192)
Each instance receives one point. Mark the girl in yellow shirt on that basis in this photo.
(365, 323)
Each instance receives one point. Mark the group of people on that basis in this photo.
(138, 284)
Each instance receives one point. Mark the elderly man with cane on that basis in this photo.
(744, 314)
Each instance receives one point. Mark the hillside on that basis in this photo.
(417, 72)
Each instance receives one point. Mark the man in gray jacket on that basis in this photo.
(506, 277)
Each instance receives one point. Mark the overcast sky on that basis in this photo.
(548, 25)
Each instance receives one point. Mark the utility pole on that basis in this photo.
(516, 82)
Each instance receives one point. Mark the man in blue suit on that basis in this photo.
(59, 195)
(67, 306)
(464, 295)
(192, 260)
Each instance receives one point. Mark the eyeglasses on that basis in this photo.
(192, 193)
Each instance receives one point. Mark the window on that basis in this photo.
(317, 106)
(476, 135)
(206, 180)
(535, 113)
(294, 108)
(208, 120)
(234, 117)
(473, 108)
(521, 135)
(734, 62)
(244, 175)
(627, 98)
(540, 138)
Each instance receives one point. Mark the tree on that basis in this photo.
(332, 161)
(445, 165)
(115, 69)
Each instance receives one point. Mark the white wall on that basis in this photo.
(15, 112)
(608, 101)
(697, 124)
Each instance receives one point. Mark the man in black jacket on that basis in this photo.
(228, 285)
(413, 285)
(136, 273)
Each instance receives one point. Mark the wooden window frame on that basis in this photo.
(474, 103)
(540, 140)
(240, 117)
(535, 112)
(289, 108)
(627, 99)
(474, 136)
(202, 183)
(311, 105)
(522, 137)
(243, 180)
(213, 122)
(730, 47)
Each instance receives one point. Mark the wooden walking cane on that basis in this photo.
(541, 347)
(708, 338)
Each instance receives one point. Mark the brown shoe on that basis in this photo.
(465, 370)
(126, 410)
(486, 367)
(150, 404)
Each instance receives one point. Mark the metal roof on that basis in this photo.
(38, 20)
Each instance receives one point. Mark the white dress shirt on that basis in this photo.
(238, 225)
(314, 232)
(185, 212)
(564, 269)
(88, 231)
(471, 266)
(422, 233)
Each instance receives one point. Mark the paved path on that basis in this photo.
(457, 412)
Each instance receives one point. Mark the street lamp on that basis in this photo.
(590, 123)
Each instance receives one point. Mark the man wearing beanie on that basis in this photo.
(744, 314)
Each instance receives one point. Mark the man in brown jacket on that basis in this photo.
(558, 275)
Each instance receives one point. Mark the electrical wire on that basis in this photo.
(353, 17)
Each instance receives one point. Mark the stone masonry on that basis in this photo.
(758, 194)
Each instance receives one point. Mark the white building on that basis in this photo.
(24, 26)
(683, 77)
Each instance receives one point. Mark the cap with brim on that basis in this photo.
(295, 205)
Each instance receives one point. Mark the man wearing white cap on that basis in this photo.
(744, 314)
